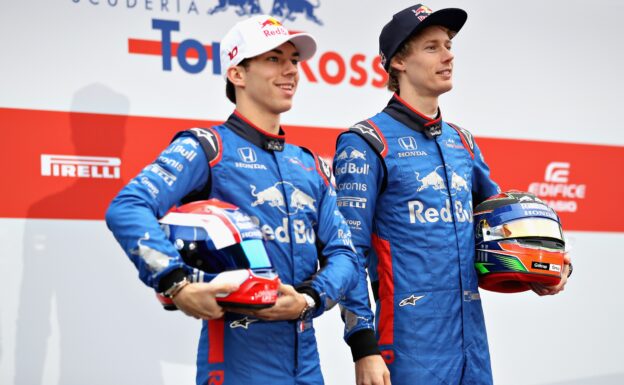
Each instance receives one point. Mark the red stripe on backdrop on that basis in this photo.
(154, 47)
(575, 176)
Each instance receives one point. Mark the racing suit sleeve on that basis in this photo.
(133, 214)
(336, 254)
(483, 186)
(357, 196)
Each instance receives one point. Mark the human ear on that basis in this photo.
(398, 64)
(236, 75)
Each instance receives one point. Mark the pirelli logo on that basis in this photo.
(73, 166)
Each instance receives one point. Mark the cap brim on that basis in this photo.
(304, 42)
(451, 18)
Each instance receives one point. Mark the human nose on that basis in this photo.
(290, 68)
(448, 56)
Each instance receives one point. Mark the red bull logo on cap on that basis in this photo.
(422, 12)
(272, 27)
(271, 21)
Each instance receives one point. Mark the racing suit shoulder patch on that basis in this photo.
(466, 138)
(372, 135)
(210, 141)
(212, 145)
(321, 167)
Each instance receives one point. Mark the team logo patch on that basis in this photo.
(247, 154)
(351, 153)
(274, 197)
(355, 202)
(422, 12)
(436, 181)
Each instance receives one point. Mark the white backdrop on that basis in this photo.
(72, 310)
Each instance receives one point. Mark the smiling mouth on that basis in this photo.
(287, 86)
(446, 72)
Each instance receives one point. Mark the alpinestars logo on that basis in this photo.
(74, 166)
(242, 323)
(556, 191)
(411, 300)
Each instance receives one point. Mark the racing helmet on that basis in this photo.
(214, 237)
(518, 241)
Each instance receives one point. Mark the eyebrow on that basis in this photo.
(444, 41)
(279, 51)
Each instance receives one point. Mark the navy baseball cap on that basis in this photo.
(411, 20)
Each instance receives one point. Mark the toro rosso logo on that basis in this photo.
(436, 181)
(194, 57)
(274, 197)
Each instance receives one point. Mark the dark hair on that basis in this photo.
(230, 91)
(404, 51)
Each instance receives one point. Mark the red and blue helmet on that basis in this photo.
(215, 237)
(518, 241)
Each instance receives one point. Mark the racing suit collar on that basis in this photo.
(399, 110)
(249, 131)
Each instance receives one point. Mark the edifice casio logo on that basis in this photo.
(557, 172)
(74, 166)
(556, 189)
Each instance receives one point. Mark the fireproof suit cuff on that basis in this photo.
(170, 279)
(363, 343)
(306, 288)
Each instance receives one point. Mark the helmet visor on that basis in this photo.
(256, 254)
(523, 228)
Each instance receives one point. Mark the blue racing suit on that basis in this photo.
(406, 186)
(287, 190)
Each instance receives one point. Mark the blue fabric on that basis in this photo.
(295, 208)
(434, 331)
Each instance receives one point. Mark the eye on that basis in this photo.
(294, 61)
(273, 59)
